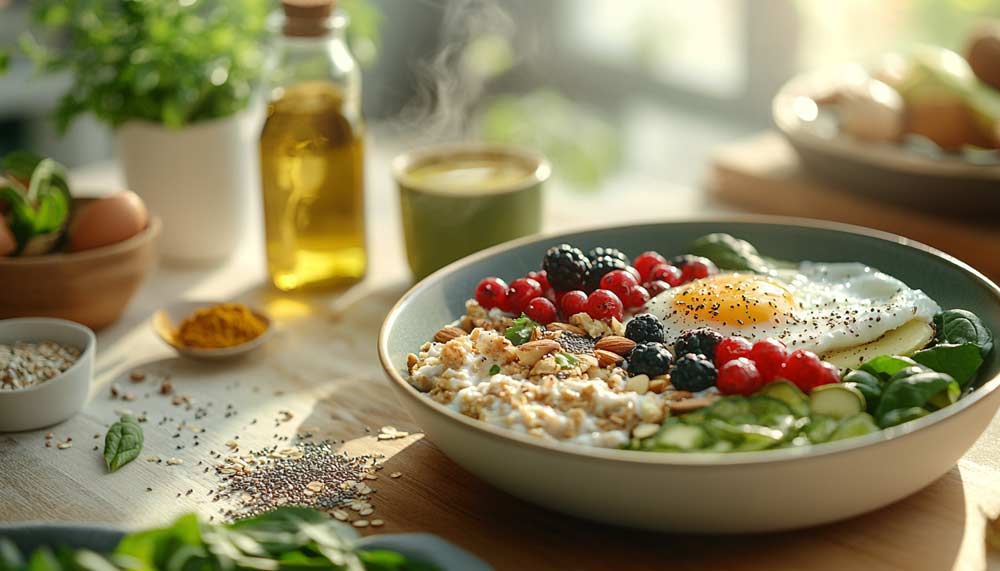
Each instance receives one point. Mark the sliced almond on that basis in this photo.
(547, 366)
(566, 327)
(587, 361)
(658, 385)
(607, 358)
(638, 384)
(615, 344)
(446, 334)
(688, 405)
(531, 352)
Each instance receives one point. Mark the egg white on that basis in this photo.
(836, 306)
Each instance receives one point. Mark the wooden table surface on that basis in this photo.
(321, 365)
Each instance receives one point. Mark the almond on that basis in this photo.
(615, 344)
(566, 327)
(658, 385)
(446, 334)
(688, 405)
(607, 358)
(529, 353)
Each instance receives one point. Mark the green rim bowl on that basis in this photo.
(707, 492)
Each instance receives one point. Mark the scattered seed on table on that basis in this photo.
(360, 523)
(395, 474)
(137, 376)
(377, 523)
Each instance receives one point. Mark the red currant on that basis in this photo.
(645, 262)
(637, 297)
(634, 272)
(769, 355)
(800, 366)
(620, 282)
(739, 377)
(541, 310)
(491, 292)
(666, 273)
(731, 348)
(698, 268)
(573, 302)
(656, 287)
(814, 374)
(520, 292)
(542, 277)
(603, 304)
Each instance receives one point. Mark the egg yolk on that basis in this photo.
(735, 300)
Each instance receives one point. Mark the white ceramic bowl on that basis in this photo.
(57, 399)
(705, 492)
(166, 320)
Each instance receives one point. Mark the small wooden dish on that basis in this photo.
(166, 320)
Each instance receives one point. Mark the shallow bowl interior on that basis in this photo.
(440, 299)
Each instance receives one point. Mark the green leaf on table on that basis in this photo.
(123, 443)
(519, 331)
(960, 361)
(958, 326)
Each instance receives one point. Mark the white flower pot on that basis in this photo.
(196, 179)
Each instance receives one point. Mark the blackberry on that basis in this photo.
(693, 372)
(566, 267)
(601, 266)
(644, 328)
(600, 252)
(698, 341)
(650, 359)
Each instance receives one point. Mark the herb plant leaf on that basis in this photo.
(123, 443)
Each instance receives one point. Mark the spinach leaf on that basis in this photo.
(729, 253)
(958, 326)
(123, 443)
(520, 330)
(494, 369)
(959, 361)
(869, 385)
(901, 415)
(885, 366)
(915, 391)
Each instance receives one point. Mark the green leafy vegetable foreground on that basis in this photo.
(284, 539)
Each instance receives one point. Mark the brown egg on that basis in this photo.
(983, 53)
(107, 220)
(8, 244)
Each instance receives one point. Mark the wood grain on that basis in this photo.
(321, 366)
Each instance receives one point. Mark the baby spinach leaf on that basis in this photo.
(959, 361)
(494, 369)
(885, 366)
(729, 253)
(915, 391)
(520, 330)
(123, 443)
(901, 415)
(958, 326)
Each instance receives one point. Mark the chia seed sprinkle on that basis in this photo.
(311, 474)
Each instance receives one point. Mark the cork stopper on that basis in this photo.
(306, 18)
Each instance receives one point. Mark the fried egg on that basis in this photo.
(818, 307)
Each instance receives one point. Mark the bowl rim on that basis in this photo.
(148, 233)
(85, 355)
(882, 155)
(700, 459)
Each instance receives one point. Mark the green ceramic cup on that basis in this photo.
(457, 199)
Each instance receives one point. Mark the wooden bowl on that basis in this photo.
(92, 287)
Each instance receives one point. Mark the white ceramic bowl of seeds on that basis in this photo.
(46, 365)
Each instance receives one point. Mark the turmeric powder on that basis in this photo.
(219, 326)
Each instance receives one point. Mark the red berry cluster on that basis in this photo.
(744, 367)
(529, 295)
(659, 275)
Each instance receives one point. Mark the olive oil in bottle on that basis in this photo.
(312, 154)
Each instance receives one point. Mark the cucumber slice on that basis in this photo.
(836, 400)
(820, 429)
(747, 437)
(681, 437)
(791, 395)
(853, 426)
(729, 407)
(766, 408)
(901, 415)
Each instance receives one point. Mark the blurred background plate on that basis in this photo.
(931, 181)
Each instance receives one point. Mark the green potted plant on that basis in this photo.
(175, 80)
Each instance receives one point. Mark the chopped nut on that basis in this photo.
(566, 327)
(616, 344)
(658, 385)
(638, 384)
(446, 334)
(688, 405)
(531, 352)
(607, 358)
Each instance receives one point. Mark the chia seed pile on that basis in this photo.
(24, 364)
(309, 474)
